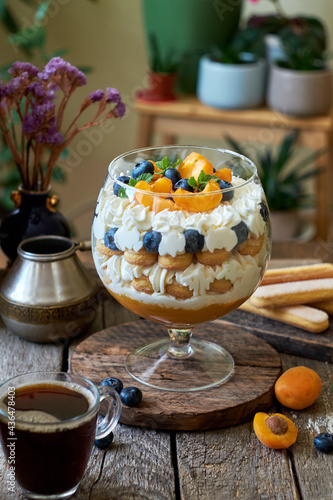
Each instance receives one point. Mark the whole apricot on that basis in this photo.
(298, 387)
(275, 431)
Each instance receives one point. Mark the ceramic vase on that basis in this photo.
(300, 93)
(231, 86)
(35, 214)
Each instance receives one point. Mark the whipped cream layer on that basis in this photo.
(135, 220)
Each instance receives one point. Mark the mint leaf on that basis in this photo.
(175, 165)
(132, 182)
(203, 179)
(193, 183)
(145, 177)
(122, 193)
(163, 164)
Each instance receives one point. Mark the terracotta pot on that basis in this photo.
(285, 225)
(161, 87)
(300, 93)
(35, 214)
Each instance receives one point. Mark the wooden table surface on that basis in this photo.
(224, 464)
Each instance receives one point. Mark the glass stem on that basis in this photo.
(180, 342)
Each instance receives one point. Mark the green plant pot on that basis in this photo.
(187, 29)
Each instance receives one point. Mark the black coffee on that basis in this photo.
(50, 458)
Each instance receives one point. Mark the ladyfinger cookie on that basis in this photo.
(304, 317)
(295, 292)
(297, 273)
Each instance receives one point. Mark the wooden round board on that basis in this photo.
(249, 390)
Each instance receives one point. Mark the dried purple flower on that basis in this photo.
(51, 138)
(97, 95)
(19, 67)
(113, 95)
(120, 109)
(41, 119)
(30, 124)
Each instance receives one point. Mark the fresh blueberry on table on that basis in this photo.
(151, 241)
(104, 443)
(113, 382)
(324, 442)
(194, 241)
(124, 179)
(143, 167)
(241, 231)
(228, 195)
(264, 211)
(109, 239)
(183, 184)
(131, 396)
(173, 175)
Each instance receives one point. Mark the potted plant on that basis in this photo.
(162, 75)
(31, 123)
(300, 84)
(234, 76)
(189, 28)
(283, 178)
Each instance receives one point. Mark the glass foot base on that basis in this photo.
(158, 366)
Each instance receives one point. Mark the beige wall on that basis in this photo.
(108, 35)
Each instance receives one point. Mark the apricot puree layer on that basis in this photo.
(172, 317)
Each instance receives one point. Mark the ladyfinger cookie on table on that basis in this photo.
(294, 292)
(304, 317)
(297, 273)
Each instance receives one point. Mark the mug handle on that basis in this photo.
(111, 405)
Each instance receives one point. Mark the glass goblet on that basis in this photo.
(181, 236)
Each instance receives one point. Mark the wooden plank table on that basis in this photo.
(226, 464)
(186, 116)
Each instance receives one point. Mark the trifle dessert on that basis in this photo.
(181, 234)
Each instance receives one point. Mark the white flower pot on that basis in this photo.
(300, 93)
(231, 85)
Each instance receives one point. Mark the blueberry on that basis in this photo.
(194, 241)
(183, 184)
(152, 240)
(264, 211)
(131, 396)
(324, 442)
(143, 167)
(241, 231)
(124, 179)
(227, 196)
(109, 239)
(104, 443)
(113, 382)
(173, 175)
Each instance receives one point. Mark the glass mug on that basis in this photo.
(48, 424)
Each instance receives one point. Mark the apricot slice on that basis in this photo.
(200, 202)
(193, 164)
(142, 198)
(298, 387)
(275, 431)
(162, 185)
(224, 174)
(161, 204)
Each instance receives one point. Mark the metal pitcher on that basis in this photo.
(48, 295)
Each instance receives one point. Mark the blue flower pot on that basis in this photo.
(231, 86)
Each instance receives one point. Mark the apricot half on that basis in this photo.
(298, 387)
(224, 174)
(192, 165)
(199, 202)
(275, 431)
